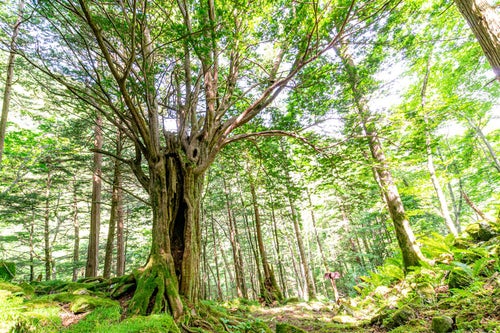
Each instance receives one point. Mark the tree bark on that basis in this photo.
(32, 244)
(437, 187)
(255, 251)
(278, 249)
(484, 21)
(46, 227)
(76, 232)
(299, 274)
(95, 208)
(120, 236)
(173, 265)
(404, 234)
(10, 77)
(116, 211)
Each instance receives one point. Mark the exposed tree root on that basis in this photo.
(156, 290)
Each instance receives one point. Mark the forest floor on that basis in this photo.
(459, 292)
(313, 317)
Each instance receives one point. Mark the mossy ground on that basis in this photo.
(388, 301)
(475, 309)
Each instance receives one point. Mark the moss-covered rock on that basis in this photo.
(399, 317)
(426, 292)
(442, 324)
(287, 328)
(7, 270)
(480, 231)
(462, 243)
(459, 278)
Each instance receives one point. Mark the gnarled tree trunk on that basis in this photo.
(172, 267)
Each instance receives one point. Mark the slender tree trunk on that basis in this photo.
(120, 228)
(320, 247)
(217, 278)
(457, 206)
(412, 255)
(46, 227)
(271, 289)
(235, 246)
(205, 275)
(480, 134)
(437, 187)
(430, 160)
(32, 245)
(255, 252)
(10, 77)
(474, 207)
(278, 249)
(311, 292)
(95, 208)
(406, 239)
(116, 211)
(485, 24)
(299, 277)
(76, 232)
(227, 272)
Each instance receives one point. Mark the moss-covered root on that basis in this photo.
(157, 290)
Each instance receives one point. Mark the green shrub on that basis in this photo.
(7, 270)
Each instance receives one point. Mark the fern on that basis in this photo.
(463, 267)
(436, 245)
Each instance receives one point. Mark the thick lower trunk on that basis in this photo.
(485, 24)
(172, 268)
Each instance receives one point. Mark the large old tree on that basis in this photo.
(179, 79)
